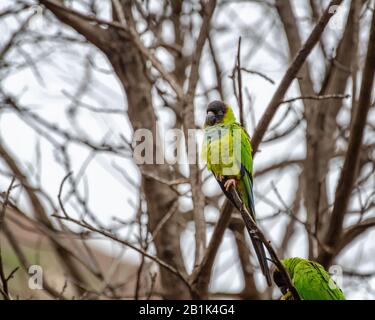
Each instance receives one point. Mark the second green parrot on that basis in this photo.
(228, 154)
(310, 279)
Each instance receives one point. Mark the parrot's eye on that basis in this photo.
(220, 115)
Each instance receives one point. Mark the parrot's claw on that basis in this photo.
(287, 296)
(221, 178)
(229, 183)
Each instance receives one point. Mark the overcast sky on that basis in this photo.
(62, 70)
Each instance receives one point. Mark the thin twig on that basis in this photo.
(322, 97)
(128, 244)
(239, 80)
(260, 74)
(290, 75)
(4, 280)
(163, 221)
(60, 192)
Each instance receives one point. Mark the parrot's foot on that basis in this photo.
(287, 296)
(229, 183)
(221, 178)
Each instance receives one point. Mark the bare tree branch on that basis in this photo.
(350, 168)
(290, 74)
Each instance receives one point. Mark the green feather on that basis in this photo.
(226, 150)
(228, 153)
(311, 280)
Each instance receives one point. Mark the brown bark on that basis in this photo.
(133, 75)
(290, 75)
(351, 163)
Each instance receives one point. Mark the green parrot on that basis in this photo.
(228, 154)
(310, 279)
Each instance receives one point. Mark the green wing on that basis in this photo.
(245, 158)
(246, 149)
(314, 283)
(245, 190)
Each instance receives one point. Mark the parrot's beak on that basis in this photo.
(210, 118)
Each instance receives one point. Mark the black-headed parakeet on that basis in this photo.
(228, 154)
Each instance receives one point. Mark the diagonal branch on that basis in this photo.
(290, 75)
(350, 168)
(101, 38)
(252, 226)
(128, 244)
(4, 280)
(81, 23)
(349, 234)
(41, 214)
(249, 291)
(207, 263)
(202, 275)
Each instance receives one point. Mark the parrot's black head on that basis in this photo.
(279, 279)
(215, 113)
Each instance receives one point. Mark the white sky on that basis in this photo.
(109, 194)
